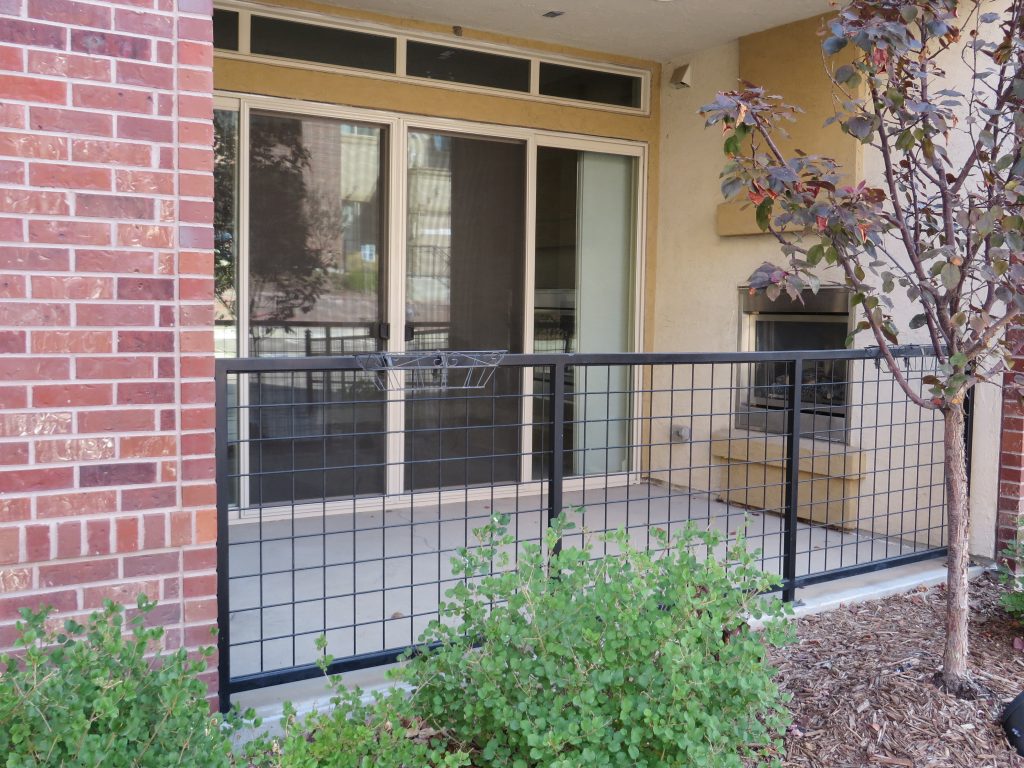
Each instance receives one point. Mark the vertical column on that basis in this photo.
(106, 310)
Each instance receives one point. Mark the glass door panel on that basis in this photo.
(585, 245)
(316, 284)
(465, 260)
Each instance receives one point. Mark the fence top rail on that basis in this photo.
(228, 365)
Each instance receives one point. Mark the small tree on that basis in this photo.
(943, 227)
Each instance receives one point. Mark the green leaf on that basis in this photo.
(764, 213)
(959, 360)
(950, 276)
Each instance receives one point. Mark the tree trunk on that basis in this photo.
(954, 665)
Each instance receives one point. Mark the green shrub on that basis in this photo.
(1011, 571)
(383, 732)
(641, 659)
(90, 696)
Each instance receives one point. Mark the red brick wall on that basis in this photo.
(1011, 467)
(106, 344)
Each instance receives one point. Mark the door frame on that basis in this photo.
(397, 127)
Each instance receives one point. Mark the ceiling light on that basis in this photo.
(554, 14)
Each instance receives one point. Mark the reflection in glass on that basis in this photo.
(464, 290)
(316, 272)
(225, 229)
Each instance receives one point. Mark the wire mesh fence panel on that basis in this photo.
(342, 505)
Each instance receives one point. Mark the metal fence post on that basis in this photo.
(223, 471)
(555, 482)
(792, 490)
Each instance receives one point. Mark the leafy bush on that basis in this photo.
(383, 732)
(90, 696)
(1011, 571)
(641, 659)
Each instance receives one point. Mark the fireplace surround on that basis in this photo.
(821, 321)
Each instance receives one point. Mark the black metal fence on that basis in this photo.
(340, 505)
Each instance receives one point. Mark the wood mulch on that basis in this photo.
(862, 680)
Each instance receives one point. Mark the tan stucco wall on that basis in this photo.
(233, 74)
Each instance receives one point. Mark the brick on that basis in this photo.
(113, 206)
(143, 289)
(69, 540)
(12, 58)
(69, 176)
(14, 510)
(67, 12)
(200, 610)
(14, 580)
(143, 23)
(157, 497)
(33, 89)
(28, 314)
(63, 64)
(127, 534)
(72, 232)
(115, 368)
(119, 420)
(152, 565)
(33, 202)
(107, 44)
(134, 342)
(10, 550)
(197, 418)
(29, 480)
(34, 259)
(122, 594)
(63, 601)
(71, 121)
(34, 368)
(200, 559)
(154, 531)
(76, 503)
(123, 473)
(111, 315)
(12, 342)
(110, 152)
(66, 574)
(132, 393)
(113, 261)
(144, 182)
(199, 495)
(27, 424)
(13, 454)
(112, 99)
(71, 342)
(33, 145)
(197, 367)
(74, 287)
(197, 443)
(148, 446)
(75, 449)
(12, 230)
(97, 537)
(145, 128)
(147, 75)
(145, 235)
(72, 395)
(24, 32)
(11, 171)
(12, 287)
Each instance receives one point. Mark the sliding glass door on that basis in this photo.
(583, 298)
(340, 232)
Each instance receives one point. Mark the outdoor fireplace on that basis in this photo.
(822, 322)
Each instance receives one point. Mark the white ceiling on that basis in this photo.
(646, 29)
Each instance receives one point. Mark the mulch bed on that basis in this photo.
(863, 684)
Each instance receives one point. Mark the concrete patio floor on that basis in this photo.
(372, 580)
